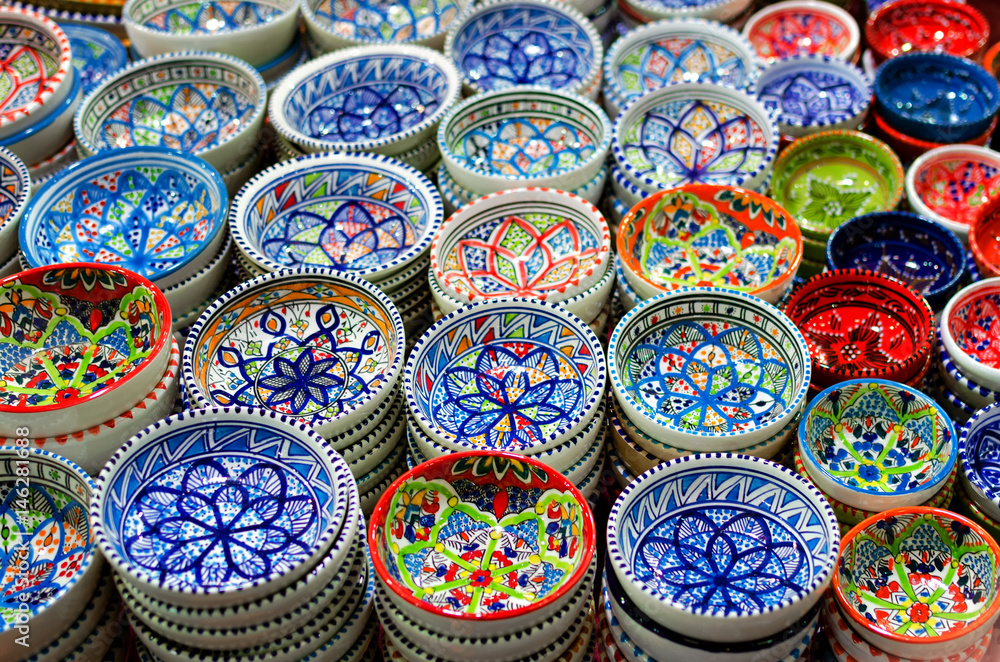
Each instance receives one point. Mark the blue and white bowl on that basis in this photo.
(384, 99)
(15, 189)
(333, 25)
(979, 454)
(97, 54)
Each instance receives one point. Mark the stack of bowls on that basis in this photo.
(969, 366)
(977, 452)
(334, 25)
(236, 533)
(484, 555)
(356, 213)
(15, 189)
(517, 375)
(689, 546)
(323, 348)
(675, 360)
(804, 27)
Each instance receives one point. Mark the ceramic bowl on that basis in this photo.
(525, 136)
(39, 68)
(877, 445)
(803, 27)
(909, 148)
(319, 347)
(967, 332)
(500, 44)
(256, 32)
(364, 214)
(710, 236)
(386, 99)
(812, 93)
(52, 130)
(534, 242)
(983, 239)
(156, 211)
(695, 518)
(916, 26)
(979, 450)
(335, 25)
(936, 97)
(831, 177)
(192, 458)
(950, 184)
(82, 344)
(666, 375)
(505, 374)
(97, 54)
(969, 391)
(223, 99)
(443, 503)
(695, 133)
(15, 189)
(918, 582)
(94, 632)
(458, 196)
(722, 11)
(924, 255)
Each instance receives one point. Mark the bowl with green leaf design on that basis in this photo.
(919, 583)
(709, 236)
(829, 178)
(875, 444)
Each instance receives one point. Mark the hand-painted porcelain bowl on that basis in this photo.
(984, 237)
(919, 583)
(97, 54)
(951, 184)
(537, 243)
(936, 97)
(457, 196)
(80, 344)
(970, 334)
(915, 26)
(358, 213)
(256, 31)
(877, 445)
(155, 211)
(526, 535)
(524, 136)
(220, 101)
(505, 43)
(979, 452)
(803, 27)
(723, 522)
(924, 255)
(707, 369)
(319, 347)
(333, 25)
(709, 236)
(386, 99)
(965, 389)
(695, 133)
(51, 131)
(811, 93)
(829, 178)
(860, 325)
(15, 189)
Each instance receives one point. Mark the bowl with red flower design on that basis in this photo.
(918, 582)
(493, 541)
(970, 332)
(710, 236)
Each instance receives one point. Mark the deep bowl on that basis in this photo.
(917, 26)
(970, 333)
(951, 184)
(333, 25)
(979, 452)
(803, 27)
(15, 189)
(97, 54)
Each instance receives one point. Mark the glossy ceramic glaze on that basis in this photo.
(969, 333)
(951, 183)
(333, 23)
(983, 239)
(803, 27)
(913, 26)
(97, 54)
(15, 189)
(979, 451)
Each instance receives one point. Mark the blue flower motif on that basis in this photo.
(869, 473)
(303, 380)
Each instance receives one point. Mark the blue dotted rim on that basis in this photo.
(23, 192)
(988, 416)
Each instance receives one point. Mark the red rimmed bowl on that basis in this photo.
(482, 541)
(914, 26)
(984, 239)
(970, 332)
(79, 345)
(859, 325)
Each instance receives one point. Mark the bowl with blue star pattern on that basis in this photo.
(979, 452)
(733, 545)
(876, 445)
(256, 31)
(335, 24)
(96, 54)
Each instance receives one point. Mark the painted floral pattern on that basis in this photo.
(520, 146)
(797, 32)
(957, 189)
(29, 65)
(974, 326)
(211, 16)
(654, 65)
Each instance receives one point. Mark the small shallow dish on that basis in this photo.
(223, 100)
(365, 214)
(673, 384)
(81, 344)
(97, 54)
(524, 136)
(385, 99)
(812, 93)
(15, 189)
(695, 133)
(503, 43)
(697, 518)
(917, 26)
(475, 504)
(951, 184)
(319, 347)
(334, 25)
(505, 374)
(709, 236)
(970, 335)
(256, 31)
(919, 583)
(979, 452)
(155, 211)
(828, 178)
(803, 27)
(924, 255)
(876, 445)
(936, 97)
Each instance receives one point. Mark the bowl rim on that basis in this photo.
(964, 296)
(878, 46)
(841, 599)
(48, 116)
(309, 164)
(588, 536)
(88, 167)
(132, 25)
(991, 492)
(161, 343)
(810, 460)
(14, 162)
(956, 373)
(815, 7)
(303, 75)
(988, 212)
(314, 21)
(910, 142)
(934, 156)
(711, 462)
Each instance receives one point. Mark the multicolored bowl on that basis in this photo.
(979, 452)
(951, 183)
(916, 26)
(803, 27)
(97, 54)
(334, 25)
(969, 332)
(15, 189)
